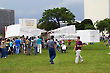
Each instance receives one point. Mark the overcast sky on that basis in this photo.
(35, 8)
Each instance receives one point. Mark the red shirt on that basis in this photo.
(78, 43)
(69, 40)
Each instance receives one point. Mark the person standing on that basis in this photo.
(17, 44)
(24, 45)
(14, 46)
(51, 46)
(58, 45)
(11, 47)
(69, 43)
(21, 44)
(78, 50)
(109, 41)
(63, 47)
(35, 45)
(3, 48)
(39, 45)
(28, 48)
(7, 46)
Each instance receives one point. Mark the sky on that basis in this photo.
(35, 8)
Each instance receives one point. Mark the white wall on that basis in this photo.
(96, 9)
(89, 35)
(65, 33)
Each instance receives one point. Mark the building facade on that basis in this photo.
(96, 9)
(28, 22)
(7, 18)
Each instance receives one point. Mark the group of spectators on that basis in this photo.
(20, 45)
(25, 45)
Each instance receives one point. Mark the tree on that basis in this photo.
(103, 25)
(48, 26)
(56, 15)
(77, 25)
(87, 24)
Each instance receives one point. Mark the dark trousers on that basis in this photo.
(11, 50)
(63, 51)
(35, 50)
(58, 48)
(4, 51)
(52, 54)
(14, 49)
(7, 48)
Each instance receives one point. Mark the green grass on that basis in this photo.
(96, 60)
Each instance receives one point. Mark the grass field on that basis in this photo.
(96, 60)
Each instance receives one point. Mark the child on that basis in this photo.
(63, 47)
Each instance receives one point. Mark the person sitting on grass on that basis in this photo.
(63, 47)
(78, 50)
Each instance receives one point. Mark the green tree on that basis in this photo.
(56, 15)
(77, 25)
(87, 24)
(48, 26)
(103, 25)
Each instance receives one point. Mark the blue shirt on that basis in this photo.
(17, 42)
(39, 41)
(11, 44)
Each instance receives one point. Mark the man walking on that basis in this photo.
(39, 45)
(51, 46)
(78, 50)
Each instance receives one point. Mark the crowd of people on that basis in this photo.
(25, 45)
(106, 40)
(20, 45)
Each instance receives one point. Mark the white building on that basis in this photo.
(96, 9)
(28, 22)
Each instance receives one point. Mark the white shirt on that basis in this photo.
(64, 47)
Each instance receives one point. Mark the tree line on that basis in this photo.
(51, 20)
